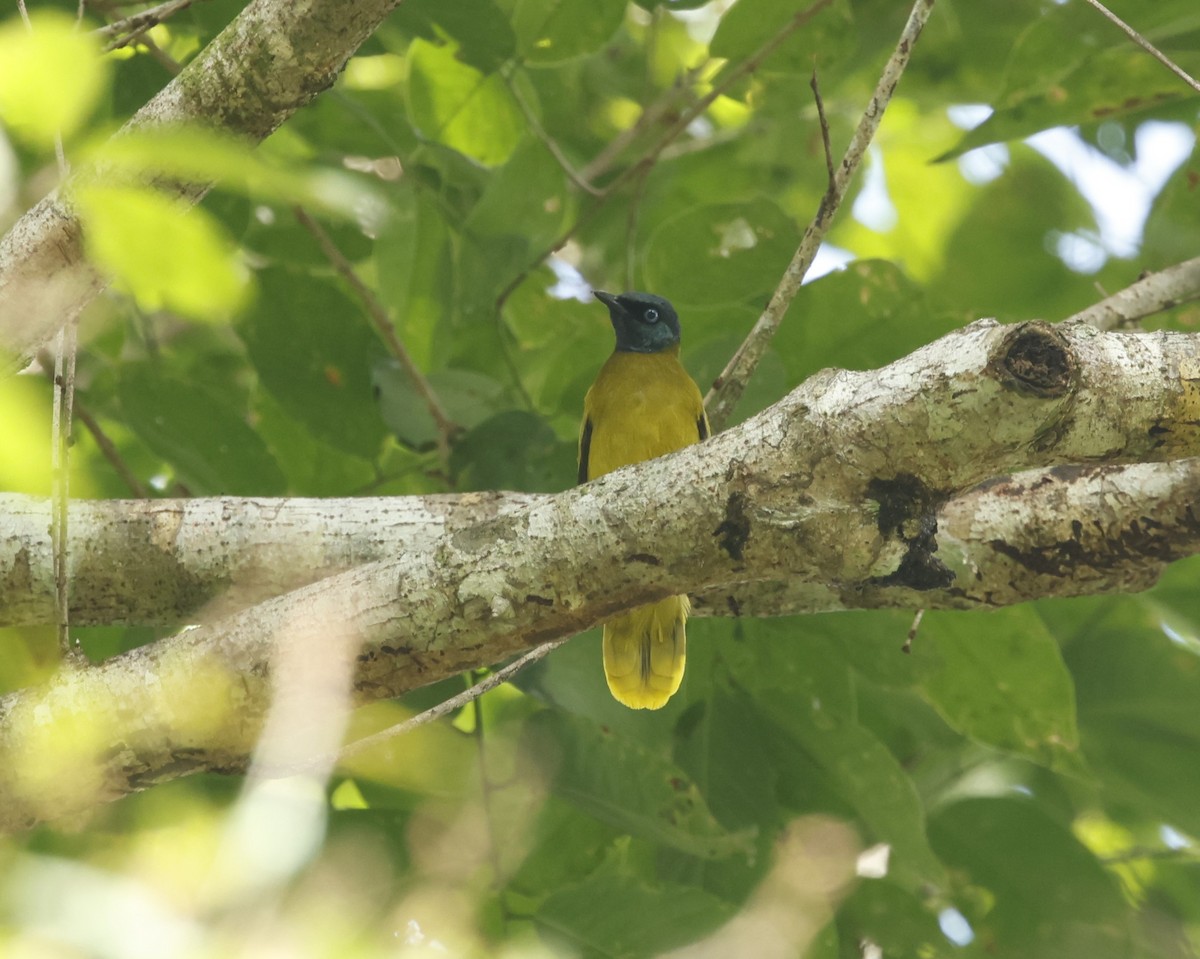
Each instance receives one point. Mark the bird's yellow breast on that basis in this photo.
(642, 405)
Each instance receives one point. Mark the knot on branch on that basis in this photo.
(908, 512)
(1034, 358)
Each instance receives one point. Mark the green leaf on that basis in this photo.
(820, 43)
(483, 33)
(895, 920)
(554, 31)
(860, 318)
(313, 350)
(616, 912)
(622, 783)
(468, 399)
(1138, 718)
(457, 105)
(822, 751)
(1071, 66)
(200, 155)
(720, 253)
(139, 236)
(1050, 898)
(206, 440)
(1000, 679)
(514, 450)
(53, 76)
(413, 263)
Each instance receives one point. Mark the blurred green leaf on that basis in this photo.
(457, 105)
(1049, 898)
(514, 450)
(616, 912)
(720, 253)
(820, 43)
(1001, 680)
(553, 31)
(622, 783)
(482, 31)
(1138, 720)
(198, 433)
(53, 76)
(164, 253)
(313, 350)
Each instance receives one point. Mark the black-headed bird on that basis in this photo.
(642, 405)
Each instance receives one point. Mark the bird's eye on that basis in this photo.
(651, 315)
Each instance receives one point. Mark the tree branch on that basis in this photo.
(728, 388)
(859, 489)
(274, 58)
(1152, 294)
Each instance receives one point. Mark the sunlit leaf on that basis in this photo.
(457, 105)
(165, 253)
(52, 76)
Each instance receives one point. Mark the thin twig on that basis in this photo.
(648, 159)
(816, 89)
(136, 24)
(109, 451)
(635, 206)
(912, 631)
(1147, 46)
(729, 386)
(1151, 294)
(64, 395)
(604, 160)
(548, 141)
(497, 678)
(446, 427)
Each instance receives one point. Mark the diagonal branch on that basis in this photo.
(729, 386)
(238, 84)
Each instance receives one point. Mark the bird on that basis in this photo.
(642, 404)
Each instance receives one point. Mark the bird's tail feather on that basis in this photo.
(644, 653)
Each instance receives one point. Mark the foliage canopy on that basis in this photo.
(1034, 772)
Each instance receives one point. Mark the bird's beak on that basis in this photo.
(608, 299)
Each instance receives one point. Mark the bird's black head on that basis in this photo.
(644, 323)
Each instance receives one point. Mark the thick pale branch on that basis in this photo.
(980, 403)
(862, 489)
(275, 57)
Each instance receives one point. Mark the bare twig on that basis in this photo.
(728, 388)
(548, 141)
(110, 452)
(1147, 46)
(137, 24)
(1152, 294)
(635, 206)
(912, 631)
(446, 427)
(650, 157)
(497, 678)
(816, 89)
(604, 160)
(64, 395)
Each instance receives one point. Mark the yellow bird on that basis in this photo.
(642, 405)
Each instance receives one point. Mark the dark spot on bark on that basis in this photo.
(540, 600)
(645, 558)
(1035, 359)
(734, 530)
(1105, 549)
(908, 513)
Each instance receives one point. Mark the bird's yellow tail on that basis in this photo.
(644, 653)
